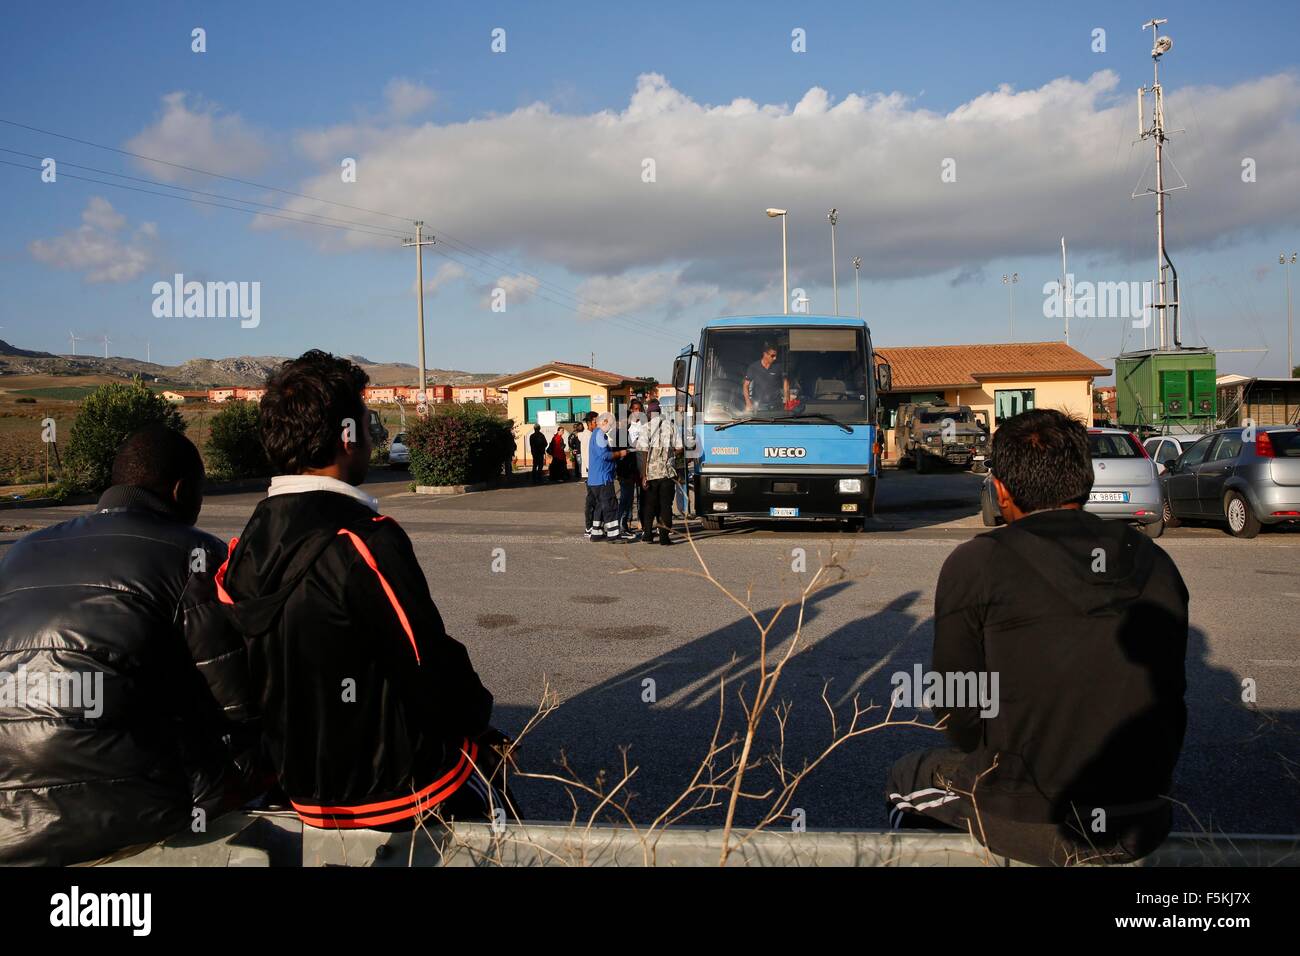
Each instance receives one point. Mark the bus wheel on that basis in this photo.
(712, 524)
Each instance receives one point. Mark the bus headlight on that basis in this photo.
(849, 486)
(721, 484)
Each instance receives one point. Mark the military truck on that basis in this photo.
(932, 434)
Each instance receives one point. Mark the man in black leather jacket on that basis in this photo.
(124, 695)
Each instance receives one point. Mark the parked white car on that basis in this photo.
(1165, 448)
(398, 453)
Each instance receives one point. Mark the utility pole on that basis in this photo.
(1168, 333)
(419, 244)
(835, 286)
(1010, 281)
(1064, 302)
(857, 299)
(785, 260)
(1290, 357)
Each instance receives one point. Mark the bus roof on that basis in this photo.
(785, 321)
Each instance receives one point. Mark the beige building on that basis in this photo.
(567, 390)
(1001, 380)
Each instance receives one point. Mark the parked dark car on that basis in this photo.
(1247, 481)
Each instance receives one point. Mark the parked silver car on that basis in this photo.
(1125, 486)
(1244, 483)
(1165, 448)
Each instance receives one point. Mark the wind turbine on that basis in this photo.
(74, 339)
(106, 341)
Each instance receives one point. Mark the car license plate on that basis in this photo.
(784, 512)
(1108, 496)
(979, 457)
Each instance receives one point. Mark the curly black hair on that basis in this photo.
(1041, 457)
(302, 413)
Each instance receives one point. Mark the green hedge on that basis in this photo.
(235, 446)
(107, 416)
(460, 445)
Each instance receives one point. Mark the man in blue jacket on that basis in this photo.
(602, 503)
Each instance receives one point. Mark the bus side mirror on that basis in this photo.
(679, 375)
(884, 377)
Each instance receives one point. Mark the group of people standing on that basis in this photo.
(645, 471)
(560, 457)
(638, 479)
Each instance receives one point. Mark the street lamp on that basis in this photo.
(785, 263)
(1290, 359)
(835, 286)
(1009, 281)
(857, 299)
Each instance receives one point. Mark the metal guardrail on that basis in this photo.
(280, 839)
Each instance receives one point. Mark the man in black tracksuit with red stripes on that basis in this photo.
(372, 714)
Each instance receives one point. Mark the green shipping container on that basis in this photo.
(1156, 390)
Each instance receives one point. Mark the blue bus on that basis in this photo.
(780, 419)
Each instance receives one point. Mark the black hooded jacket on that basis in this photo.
(118, 607)
(1085, 623)
(370, 710)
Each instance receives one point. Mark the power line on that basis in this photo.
(595, 311)
(200, 192)
(202, 202)
(201, 172)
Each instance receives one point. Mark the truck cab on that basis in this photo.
(932, 434)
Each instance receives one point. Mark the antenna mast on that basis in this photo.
(1169, 334)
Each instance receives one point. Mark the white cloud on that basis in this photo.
(406, 98)
(518, 289)
(446, 273)
(99, 247)
(662, 291)
(1031, 165)
(198, 134)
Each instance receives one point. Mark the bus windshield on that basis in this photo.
(786, 374)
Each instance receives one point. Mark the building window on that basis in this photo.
(1011, 401)
(566, 409)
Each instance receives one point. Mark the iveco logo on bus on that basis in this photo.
(784, 452)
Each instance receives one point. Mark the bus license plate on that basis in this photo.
(784, 512)
(1108, 496)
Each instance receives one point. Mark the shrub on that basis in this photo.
(460, 445)
(26, 400)
(235, 446)
(107, 416)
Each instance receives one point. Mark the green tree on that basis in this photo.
(107, 416)
(460, 445)
(235, 444)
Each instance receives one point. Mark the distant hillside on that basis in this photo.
(247, 370)
(7, 349)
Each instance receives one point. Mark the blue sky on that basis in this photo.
(446, 130)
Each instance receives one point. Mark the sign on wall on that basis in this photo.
(556, 386)
(547, 418)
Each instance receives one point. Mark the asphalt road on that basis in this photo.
(596, 622)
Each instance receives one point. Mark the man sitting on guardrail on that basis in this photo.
(1079, 626)
(126, 711)
(372, 714)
